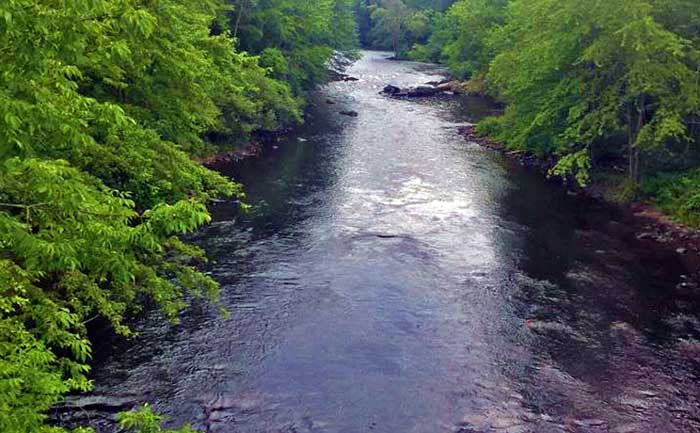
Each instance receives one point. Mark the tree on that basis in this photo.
(577, 74)
(296, 38)
(103, 104)
(469, 25)
(398, 27)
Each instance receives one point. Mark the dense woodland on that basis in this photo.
(609, 91)
(106, 104)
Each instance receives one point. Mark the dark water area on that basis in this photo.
(392, 277)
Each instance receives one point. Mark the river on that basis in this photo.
(392, 277)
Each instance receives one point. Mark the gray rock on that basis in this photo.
(391, 90)
(97, 402)
(422, 91)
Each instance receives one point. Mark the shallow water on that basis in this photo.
(393, 278)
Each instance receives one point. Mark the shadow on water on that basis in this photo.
(391, 277)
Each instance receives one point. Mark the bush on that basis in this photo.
(676, 194)
(143, 420)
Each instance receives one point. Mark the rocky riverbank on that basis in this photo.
(252, 149)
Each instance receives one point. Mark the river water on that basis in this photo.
(392, 277)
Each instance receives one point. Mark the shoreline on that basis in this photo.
(338, 65)
(253, 149)
(647, 225)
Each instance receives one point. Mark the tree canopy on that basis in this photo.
(589, 83)
(104, 104)
(294, 38)
(397, 25)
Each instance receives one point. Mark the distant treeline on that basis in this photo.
(609, 89)
(103, 104)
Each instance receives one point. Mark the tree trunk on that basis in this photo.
(238, 20)
(631, 133)
(634, 128)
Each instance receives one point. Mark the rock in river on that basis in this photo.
(391, 90)
(422, 91)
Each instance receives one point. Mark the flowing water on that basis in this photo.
(392, 277)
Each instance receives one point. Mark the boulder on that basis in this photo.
(450, 87)
(422, 91)
(391, 90)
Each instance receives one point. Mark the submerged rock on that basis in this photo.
(590, 423)
(478, 421)
(350, 113)
(627, 428)
(391, 90)
(105, 403)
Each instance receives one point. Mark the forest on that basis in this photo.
(108, 105)
(105, 106)
(609, 91)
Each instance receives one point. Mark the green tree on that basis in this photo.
(397, 26)
(576, 74)
(466, 30)
(299, 35)
(102, 104)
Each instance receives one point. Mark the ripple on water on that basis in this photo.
(393, 278)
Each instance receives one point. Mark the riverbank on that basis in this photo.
(252, 149)
(647, 224)
(262, 140)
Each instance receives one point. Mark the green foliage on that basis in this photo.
(144, 420)
(460, 37)
(440, 35)
(72, 249)
(677, 194)
(397, 26)
(577, 76)
(576, 73)
(103, 104)
(578, 164)
(295, 37)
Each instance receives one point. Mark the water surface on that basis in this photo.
(392, 277)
